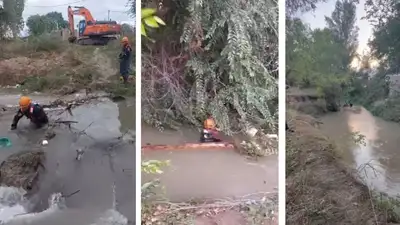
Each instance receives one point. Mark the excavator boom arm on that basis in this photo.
(82, 11)
(71, 21)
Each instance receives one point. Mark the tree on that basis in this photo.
(385, 44)
(39, 24)
(225, 63)
(58, 19)
(127, 29)
(377, 11)
(296, 6)
(315, 58)
(342, 25)
(11, 21)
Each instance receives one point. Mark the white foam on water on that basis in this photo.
(112, 217)
(11, 203)
(13, 209)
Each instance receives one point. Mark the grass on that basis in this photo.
(49, 64)
(322, 190)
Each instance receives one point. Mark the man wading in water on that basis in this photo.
(32, 111)
(209, 132)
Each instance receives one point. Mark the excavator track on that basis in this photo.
(95, 40)
(190, 146)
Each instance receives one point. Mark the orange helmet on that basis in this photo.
(24, 102)
(125, 40)
(209, 123)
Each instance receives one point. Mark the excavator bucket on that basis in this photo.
(72, 39)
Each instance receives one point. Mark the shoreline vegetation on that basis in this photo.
(48, 64)
(323, 190)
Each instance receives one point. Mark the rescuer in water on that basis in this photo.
(125, 59)
(210, 131)
(32, 111)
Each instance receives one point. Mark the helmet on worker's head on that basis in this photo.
(209, 123)
(124, 40)
(24, 102)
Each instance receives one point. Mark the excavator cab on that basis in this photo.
(81, 27)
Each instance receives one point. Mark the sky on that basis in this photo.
(99, 9)
(316, 19)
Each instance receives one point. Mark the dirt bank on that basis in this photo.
(51, 65)
(320, 189)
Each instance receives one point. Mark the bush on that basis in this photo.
(388, 109)
(46, 43)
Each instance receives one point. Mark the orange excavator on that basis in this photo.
(90, 31)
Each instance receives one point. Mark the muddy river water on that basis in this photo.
(198, 174)
(378, 158)
(105, 174)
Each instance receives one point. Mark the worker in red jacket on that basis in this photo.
(210, 131)
(32, 111)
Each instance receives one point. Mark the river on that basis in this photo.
(209, 174)
(104, 176)
(377, 159)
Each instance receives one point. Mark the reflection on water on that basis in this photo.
(378, 158)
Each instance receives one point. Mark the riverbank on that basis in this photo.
(51, 65)
(323, 190)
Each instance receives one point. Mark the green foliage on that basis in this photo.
(149, 19)
(127, 30)
(342, 25)
(383, 14)
(250, 35)
(296, 6)
(45, 43)
(11, 21)
(385, 44)
(226, 64)
(389, 205)
(320, 58)
(40, 24)
(151, 167)
(40, 83)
